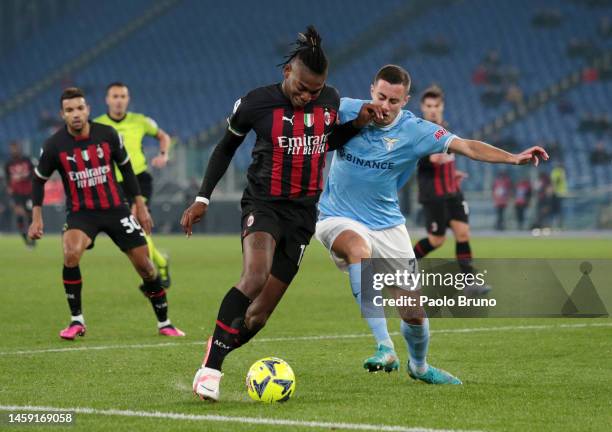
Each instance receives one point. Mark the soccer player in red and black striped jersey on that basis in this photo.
(18, 174)
(84, 153)
(440, 194)
(295, 123)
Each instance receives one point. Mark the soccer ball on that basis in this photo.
(270, 380)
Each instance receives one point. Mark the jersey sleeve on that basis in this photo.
(118, 152)
(48, 161)
(349, 108)
(150, 126)
(240, 122)
(431, 138)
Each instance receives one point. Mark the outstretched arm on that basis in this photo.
(161, 159)
(484, 152)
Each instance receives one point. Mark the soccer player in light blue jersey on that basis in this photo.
(359, 210)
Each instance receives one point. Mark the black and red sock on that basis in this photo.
(228, 328)
(422, 248)
(464, 256)
(72, 286)
(157, 296)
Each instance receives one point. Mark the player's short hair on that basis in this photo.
(309, 50)
(434, 92)
(394, 74)
(71, 93)
(116, 84)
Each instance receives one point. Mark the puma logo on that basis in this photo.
(290, 120)
(71, 158)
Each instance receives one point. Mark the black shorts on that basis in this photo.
(292, 227)
(119, 224)
(145, 181)
(439, 214)
(24, 201)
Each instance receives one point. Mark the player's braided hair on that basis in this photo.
(309, 50)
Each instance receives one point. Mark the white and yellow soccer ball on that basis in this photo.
(270, 380)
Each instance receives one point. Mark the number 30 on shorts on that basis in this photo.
(131, 224)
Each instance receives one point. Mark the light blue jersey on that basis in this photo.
(367, 172)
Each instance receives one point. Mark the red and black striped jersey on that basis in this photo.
(86, 167)
(437, 180)
(19, 175)
(291, 144)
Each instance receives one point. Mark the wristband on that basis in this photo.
(202, 200)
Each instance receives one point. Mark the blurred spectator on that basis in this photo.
(590, 75)
(554, 149)
(492, 96)
(577, 47)
(502, 192)
(565, 106)
(491, 59)
(543, 191)
(599, 155)
(514, 95)
(590, 122)
(547, 18)
(438, 45)
(480, 75)
(559, 193)
(522, 197)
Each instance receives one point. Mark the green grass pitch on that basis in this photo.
(529, 375)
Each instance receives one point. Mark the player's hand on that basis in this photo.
(367, 113)
(160, 161)
(35, 231)
(531, 155)
(194, 214)
(143, 216)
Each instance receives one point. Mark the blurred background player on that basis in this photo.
(133, 127)
(85, 155)
(359, 213)
(295, 122)
(18, 174)
(440, 194)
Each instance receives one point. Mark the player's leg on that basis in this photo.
(391, 245)
(436, 221)
(152, 288)
(145, 180)
(74, 241)
(20, 219)
(348, 244)
(125, 231)
(257, 255)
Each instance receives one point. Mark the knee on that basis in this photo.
(437, 241)
(253, 281)
(414, 321)
(72, 256)
(146, 269)
(463, 235)
(358, 251)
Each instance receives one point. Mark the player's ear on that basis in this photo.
(372, 91)
(406, 99)
(287, 70)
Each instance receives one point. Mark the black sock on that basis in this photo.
(157, 296)
(422, 248)
(72, 285)
(464, 256)
(230, 322)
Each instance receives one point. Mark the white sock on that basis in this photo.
(78, 318)
(163, 324)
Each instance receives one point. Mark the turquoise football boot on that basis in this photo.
(383, 359)
(434, 376)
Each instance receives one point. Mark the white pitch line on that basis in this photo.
(227, 419)
(309, 338)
